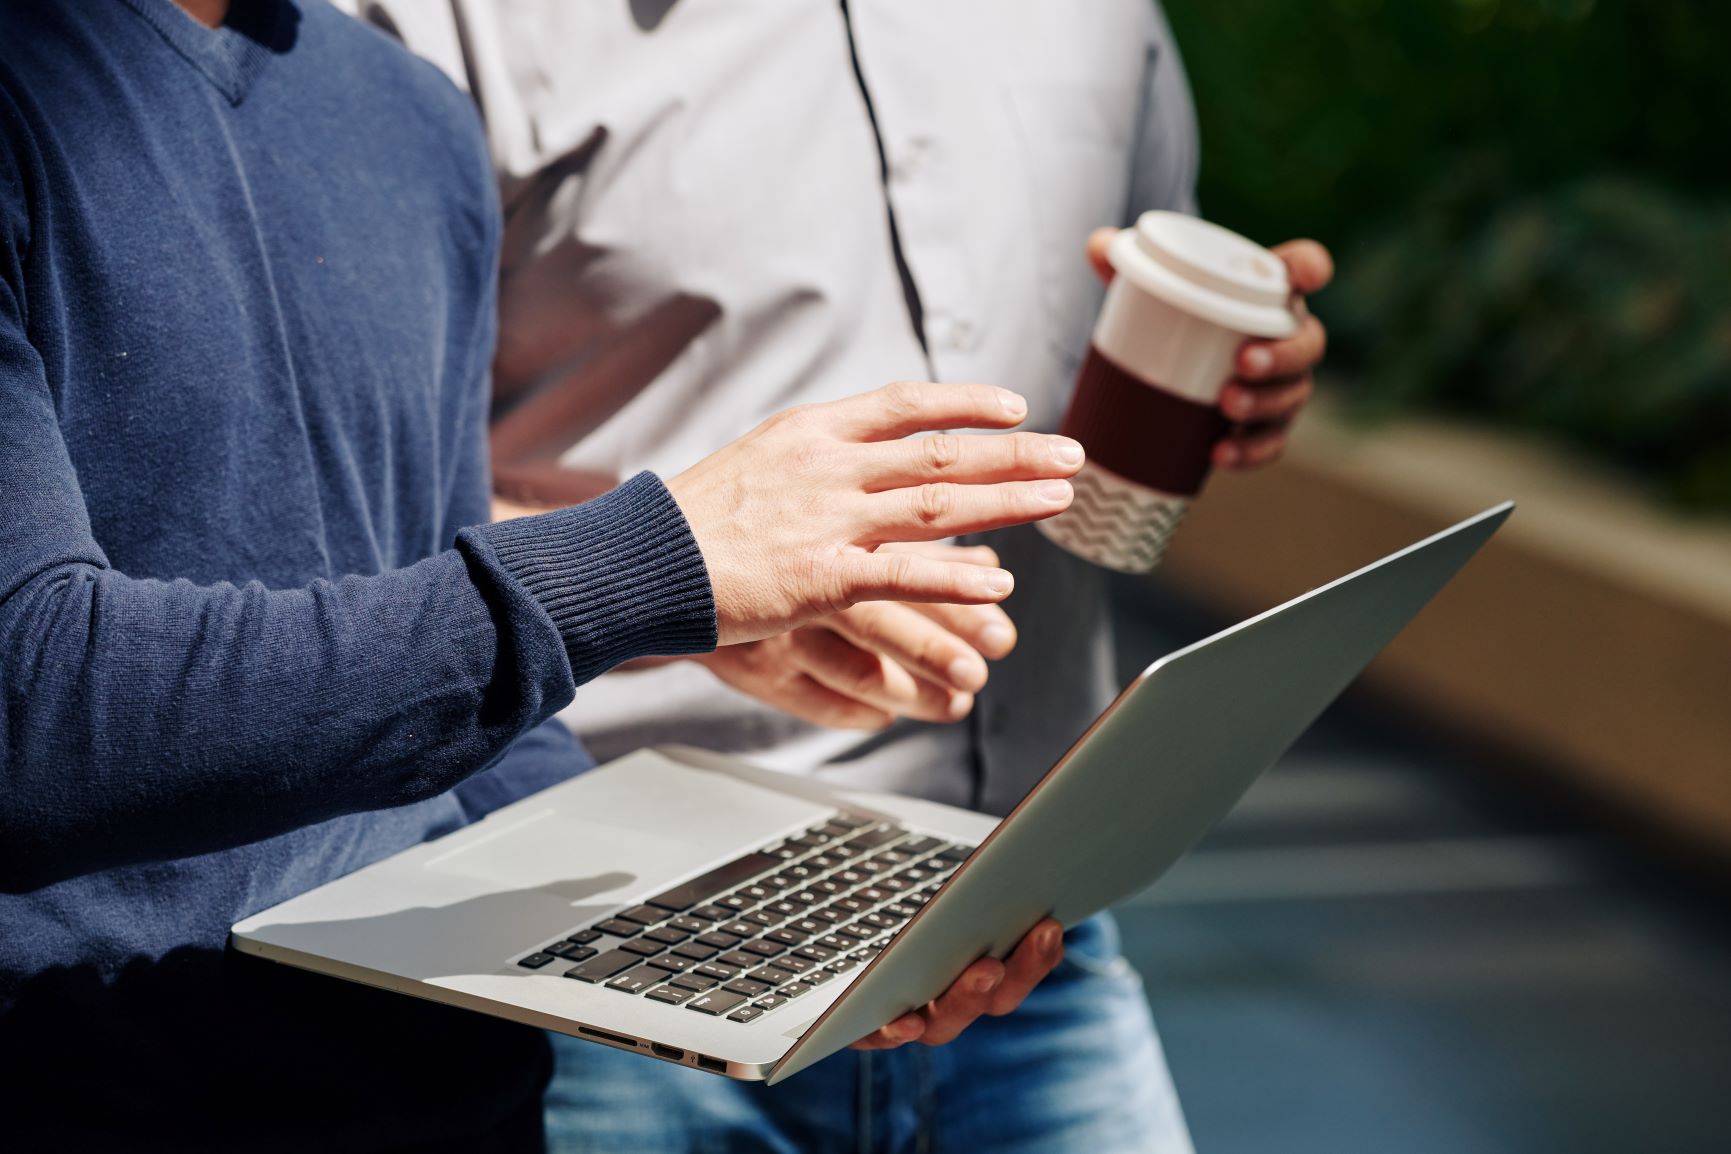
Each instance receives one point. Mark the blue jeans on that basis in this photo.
(1078, 1067)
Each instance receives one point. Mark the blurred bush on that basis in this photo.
(1530, 201)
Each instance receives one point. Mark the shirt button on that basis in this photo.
(959, 336)
(907, 160)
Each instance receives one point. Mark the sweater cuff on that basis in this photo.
(621, 576)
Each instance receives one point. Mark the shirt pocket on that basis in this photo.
(1078, 137)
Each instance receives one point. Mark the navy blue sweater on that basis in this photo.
(253, 632)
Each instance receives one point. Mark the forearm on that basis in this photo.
(146, 719)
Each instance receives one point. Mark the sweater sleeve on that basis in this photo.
(143, 719)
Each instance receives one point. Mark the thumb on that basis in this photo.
(1098, 242)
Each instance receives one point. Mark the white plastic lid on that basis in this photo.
(1207, 271)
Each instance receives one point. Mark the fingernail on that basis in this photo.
(1014, 405)
(1257, 360)
(904, 1031)
(1239, 403)
(1067, 452)
(966, 673)
(1052, 942)
(1053, 491)
(960, 704)
(1226, 456)
(997, 638)
(986, 983)
(999, 580)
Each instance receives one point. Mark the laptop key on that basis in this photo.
(795, 989)
(666, 935)
(719, 940)
(584, 937)
(828, 887)
(604, 966)
(719, 973)
(689, 924)
(851, 820)
(643, 948)
(695, 952)
(816, 953)
(872, 894)
(920, 845)
(715, 1002)
(672, 995)
(787, 936)
(842, 965)
(810, 927)
(745, 1014)
(882, 921)
(787, 908)
(645, 915)
(672, 963)
(718, 880)
(711, 913)
(739, 958)
(635, 981)
(769, 976)
(536, 960)
(858, 932)
(816, 977)
(618, 927)
(739, 929)
(737, 902)
(795, 963)
(873, 838)
(760, 919)
(747, 987)
(770, 1002)
(956, 853)
(763, 949)
(695, 982)
(836, 942)
(572, 952)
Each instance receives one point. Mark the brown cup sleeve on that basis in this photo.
(1140, 431)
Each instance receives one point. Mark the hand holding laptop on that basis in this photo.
(790, 516)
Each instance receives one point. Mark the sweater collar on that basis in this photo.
(232, 55)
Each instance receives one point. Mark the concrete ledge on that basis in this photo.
(1593, 634)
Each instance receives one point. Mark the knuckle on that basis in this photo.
(901, 399)
(933, 503)
(943, 452)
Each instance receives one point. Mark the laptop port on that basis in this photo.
(616, 1039)
(671, 1053)
(715, 1065)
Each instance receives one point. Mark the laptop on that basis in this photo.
(698, 910)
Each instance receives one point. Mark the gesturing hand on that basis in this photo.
(865, 666)
(790, 516)
(1274, 377)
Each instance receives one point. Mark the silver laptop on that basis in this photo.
(689, 907)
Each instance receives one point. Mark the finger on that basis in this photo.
(1098, 242)
(900, 1032)
(972, 554)
(970, 460)
(907, 577)
(941, 509)
(1255, 446)
(987, 629)
(906, 407)
(1037, 955)
(1275, 401)
(968, 997)
(861, 675)
(1309, 267)
(791, 691)
(1297, 354)
(915, 642)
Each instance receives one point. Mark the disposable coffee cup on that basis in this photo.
(1147, 401)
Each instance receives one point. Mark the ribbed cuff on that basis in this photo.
(621, 576)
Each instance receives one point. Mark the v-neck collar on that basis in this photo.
(228, 57)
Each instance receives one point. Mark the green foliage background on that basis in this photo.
(1530, 201)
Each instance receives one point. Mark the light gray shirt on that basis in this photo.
(699, 200)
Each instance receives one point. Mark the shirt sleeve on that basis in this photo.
(1163, 170)
(144, 719)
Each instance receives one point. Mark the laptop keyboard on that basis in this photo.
(756, 933)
